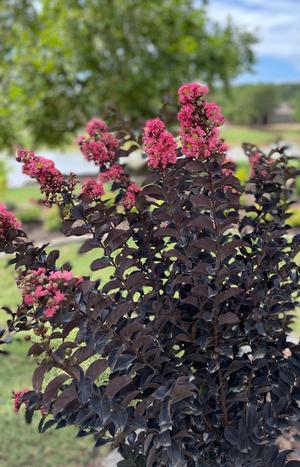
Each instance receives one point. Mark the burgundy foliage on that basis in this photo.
(182, 358)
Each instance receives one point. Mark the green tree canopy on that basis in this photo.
(62, 62)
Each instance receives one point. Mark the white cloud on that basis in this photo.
(276, 22)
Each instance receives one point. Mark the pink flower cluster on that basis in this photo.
(93, 188)
(100, 146)
(43, 170)
(213, 113)
(257, 162)
(114, 174)
(189, 93)
(40, 288)
(7, 221)
(17, 396)
(159, 144)
(198, 121)
(95, 127)
(129, 198)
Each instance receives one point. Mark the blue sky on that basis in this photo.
(277, 25)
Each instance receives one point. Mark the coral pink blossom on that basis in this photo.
(50, 311)
(95, 126)
(257, 160)
(159, 144)
(213, 113)
(7, 221)
(129, 197)
(187, 116)
(18, 398)
(113, 174)
(198, 121)
(40, 292)
(192, 140)
(41, 270)
(28, 299)
(190, 92)
(47, 290)
(63, 275)
(43, 170)
(59, 297)
(100, 146)
(93, 188)
(214, 143)
(67, 275)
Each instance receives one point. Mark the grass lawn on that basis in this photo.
(236, 135)
(24, 202)
(21, 444)
(23, 195)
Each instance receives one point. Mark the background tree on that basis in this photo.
(296, 102)
(264, 101)
(67, 59)
(250, 104)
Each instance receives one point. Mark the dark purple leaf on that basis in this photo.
(116, 385)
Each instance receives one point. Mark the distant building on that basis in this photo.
(283, 113)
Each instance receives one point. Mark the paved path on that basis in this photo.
(73, 161)
(112, 459)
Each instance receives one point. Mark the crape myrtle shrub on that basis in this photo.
(182, 358)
